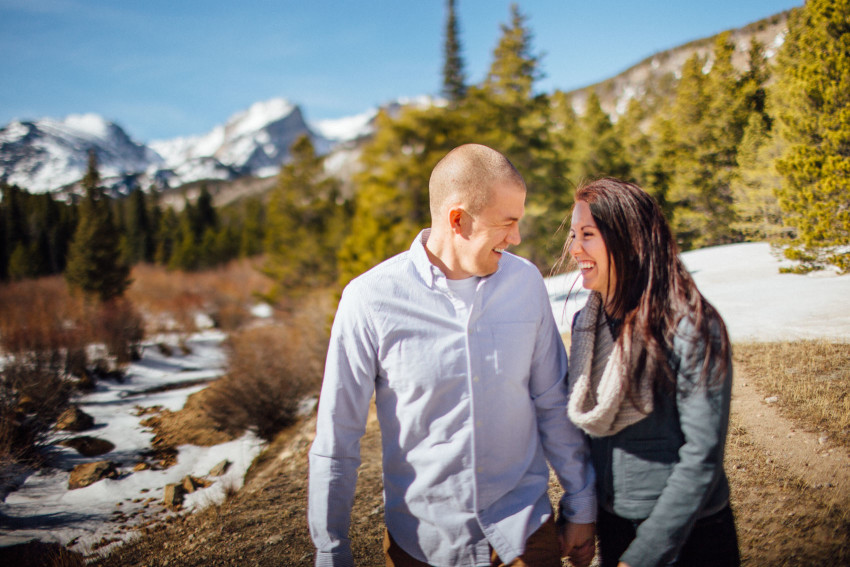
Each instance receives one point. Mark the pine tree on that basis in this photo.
(811, 102)
(506, 114)
(758, 214)
(138, 230)
(94, 258)
(252, 228)
(167, 236)
(391, 204)
(599, 152)
(709, 116)
(14, 227)
(305, 222)
(454, 79)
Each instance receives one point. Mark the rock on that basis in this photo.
(220, 468)
(173, 497)
(74, 419)
(141, 466)
(26, 404)
(88, 446)
(191, 483)
(89, 473)
(771, 399)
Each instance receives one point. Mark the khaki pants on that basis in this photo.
(542, 549)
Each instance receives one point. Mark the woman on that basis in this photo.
(650, 383)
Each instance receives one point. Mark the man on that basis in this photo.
(456, 339)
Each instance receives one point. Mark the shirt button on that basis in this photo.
(475, 378)
(478, 423)
(479, 470)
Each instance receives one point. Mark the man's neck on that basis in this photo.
(442, 255)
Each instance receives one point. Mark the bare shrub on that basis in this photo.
(37, 315)
(33, 393)
(175, 297)
(40, 554)
(272, 368)
(44, 335)
(120, 327)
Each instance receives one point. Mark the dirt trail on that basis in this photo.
(818, 462)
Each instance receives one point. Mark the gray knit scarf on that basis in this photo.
(599, 404)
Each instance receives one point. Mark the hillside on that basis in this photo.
(656, 75)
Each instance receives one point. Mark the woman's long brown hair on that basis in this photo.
(653, 291)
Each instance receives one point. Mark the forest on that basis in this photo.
(731, 155)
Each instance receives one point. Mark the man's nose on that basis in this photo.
(513, 236)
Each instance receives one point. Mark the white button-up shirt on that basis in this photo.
(471, 406)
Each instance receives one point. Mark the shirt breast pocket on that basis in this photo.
(511, 349)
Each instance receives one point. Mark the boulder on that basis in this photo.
(220, 468)
(88, 446)
(74, 419)
(191, 483)
(89, 473)
(173, 497)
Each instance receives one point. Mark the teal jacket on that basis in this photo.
(667, 469)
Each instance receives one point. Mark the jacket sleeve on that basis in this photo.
(347, 388)
(564, 445)
(703, 408)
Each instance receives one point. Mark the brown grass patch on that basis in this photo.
(781, 519)
(225, 293)
(271, 369)
(811, 380)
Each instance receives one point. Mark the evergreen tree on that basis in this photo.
(94, 258)
(15, 232)
(138, 229)
(636, 144)
(599, 152)
(186, 253)
(505, 113)
(454, 80)
(252, 228)
(758, 214)
(167, 236)
(391, 204)
(709, 116)
(812, 109)
(306, 222)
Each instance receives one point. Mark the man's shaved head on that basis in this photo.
(466, 176)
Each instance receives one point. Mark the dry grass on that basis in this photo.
(271, 369)
(811, 380)
(781, 519)
(170, 298)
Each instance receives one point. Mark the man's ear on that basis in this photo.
(456, 219)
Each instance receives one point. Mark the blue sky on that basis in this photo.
(166, 68)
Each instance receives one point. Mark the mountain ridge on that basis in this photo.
(51, 155)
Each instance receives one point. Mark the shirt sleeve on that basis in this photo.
(564, 445)
(703, 407)
(347, 388)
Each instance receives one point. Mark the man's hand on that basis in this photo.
(578, 543)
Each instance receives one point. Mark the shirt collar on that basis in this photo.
(421, 263)
(423, 266)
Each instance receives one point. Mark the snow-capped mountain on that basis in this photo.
(44, 155)
(49, 154)
(252, 142)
